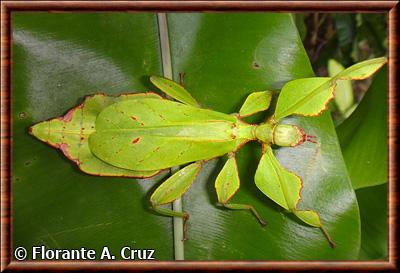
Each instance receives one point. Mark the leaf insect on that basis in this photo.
(140, 134)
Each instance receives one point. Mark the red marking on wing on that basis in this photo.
(68, 116)
(136, 140)
(64, 148)
(135, 119)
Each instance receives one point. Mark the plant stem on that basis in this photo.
(167, 72)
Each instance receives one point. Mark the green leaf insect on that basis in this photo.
(141, 134)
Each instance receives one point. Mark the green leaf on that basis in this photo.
(271, 54)
(60, 58)
(344, 91)
(372, 30)
(363, 137)
(346, 32)
(373, 210)
(301, 25)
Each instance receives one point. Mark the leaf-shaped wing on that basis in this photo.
(150, 134)
(71, 132)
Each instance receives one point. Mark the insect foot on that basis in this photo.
(185, 226)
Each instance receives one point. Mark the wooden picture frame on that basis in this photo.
(7, 7)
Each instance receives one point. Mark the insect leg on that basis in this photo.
(174, 90)
(227, 184)
(284, 188)
(256, 102)
(173, 188)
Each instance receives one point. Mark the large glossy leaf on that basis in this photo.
(363, 137)
(59, 58)
(373, 211)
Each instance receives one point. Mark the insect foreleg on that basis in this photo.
(256, 102)
(172, 189)
(227, 184)
(174, 90)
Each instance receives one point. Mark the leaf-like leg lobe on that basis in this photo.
(173, 188)
(284, 188)
(227, 184)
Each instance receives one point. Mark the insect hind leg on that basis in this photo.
(169, 212)
(244, 206)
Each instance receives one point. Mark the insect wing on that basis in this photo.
(71, 132)
(154, 134)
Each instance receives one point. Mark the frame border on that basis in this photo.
(7, 7)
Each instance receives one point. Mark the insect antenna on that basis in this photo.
(310, 138)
